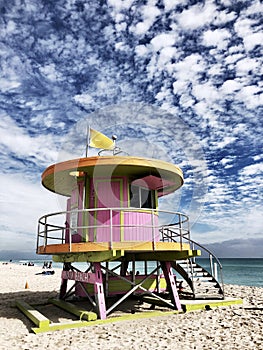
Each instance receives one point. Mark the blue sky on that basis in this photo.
(177, 80)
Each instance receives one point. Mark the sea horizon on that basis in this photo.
(236, 271)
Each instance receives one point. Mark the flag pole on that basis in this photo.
(87, 140)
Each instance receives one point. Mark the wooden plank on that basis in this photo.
(127, 317)
(34, 315)
(71, 308)
(105, 246)
(193, 305)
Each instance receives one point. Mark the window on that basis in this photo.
(142, 197)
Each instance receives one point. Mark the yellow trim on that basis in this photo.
(193, 305)
(86, 188)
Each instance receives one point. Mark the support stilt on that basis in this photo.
(64, 282)
(171, 284)
(99, 291)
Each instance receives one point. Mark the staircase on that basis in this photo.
(201, 283)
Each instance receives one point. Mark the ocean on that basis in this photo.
(239, 271)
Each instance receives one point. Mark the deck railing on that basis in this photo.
(55, 227)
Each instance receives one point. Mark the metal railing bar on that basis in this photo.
(53, 231)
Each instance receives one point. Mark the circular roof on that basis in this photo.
(61, 177)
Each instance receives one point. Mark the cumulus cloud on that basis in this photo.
(197, 16)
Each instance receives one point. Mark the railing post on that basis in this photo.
(215, 271)
(111, 229)
(211, 264)
(180, 230)
(70, 237)
(45, 235)
(192, 274)
(153, 229)
(193, 247)
(38, 229)
(62, 235)
(188, 227)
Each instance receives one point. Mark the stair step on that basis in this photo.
(204, 284)
(195, 271)
(203, 278)
(206, 290)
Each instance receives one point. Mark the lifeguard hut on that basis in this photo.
(113, 224)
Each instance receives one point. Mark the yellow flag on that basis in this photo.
(99, 140)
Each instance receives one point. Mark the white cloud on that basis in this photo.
(247, 64)
(8, 85)
(171, 4)
(119, 5)
(252, 170)
(206, 91)
(15, 139)
(218, 38)
(50, 72)
(22, 204)
(149, 14)
(182, 71)
(252, 40)
(226, 141)
(224, 17)
(251, 96)
(230, 86)
(197, 16)
(162, 41)
(141, 50)
(227, 160)
(85, 99)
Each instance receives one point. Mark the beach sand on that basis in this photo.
(235, 327)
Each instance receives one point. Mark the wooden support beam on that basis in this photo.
(71, 308)
(34, 315)
(121, 255)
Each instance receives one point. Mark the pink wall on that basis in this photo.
(109, 193)
(141, 232)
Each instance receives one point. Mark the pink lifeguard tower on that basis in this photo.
(113, 224)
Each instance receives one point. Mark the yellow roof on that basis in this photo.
(61, 177)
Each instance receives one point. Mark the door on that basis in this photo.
(108, 193)
(74, 219)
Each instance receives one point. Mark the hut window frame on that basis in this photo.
(141, 197)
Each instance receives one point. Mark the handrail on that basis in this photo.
(48, 230)
(210, 253)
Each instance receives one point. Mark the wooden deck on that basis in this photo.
(104, 251)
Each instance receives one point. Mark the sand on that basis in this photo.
(234, 327)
